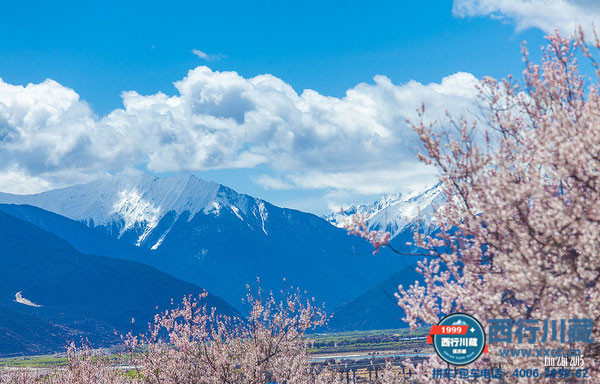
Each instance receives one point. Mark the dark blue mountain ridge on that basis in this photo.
(51, 293)
(377, 307)
(85, 239)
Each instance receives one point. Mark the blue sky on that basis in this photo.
(103, 49)
(258, 136)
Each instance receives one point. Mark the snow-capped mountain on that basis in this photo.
(212, 236)
(393, 213)
(132, 207)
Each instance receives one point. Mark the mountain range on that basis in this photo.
(210, 236)
(395, 213)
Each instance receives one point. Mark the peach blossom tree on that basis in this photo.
(192, 344)
(518, 236)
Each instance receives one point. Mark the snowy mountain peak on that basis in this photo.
(124, 204)
(133, 209)
(393, 212)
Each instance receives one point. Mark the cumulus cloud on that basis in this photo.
(361, 142)
(16, 181)
(547, 15)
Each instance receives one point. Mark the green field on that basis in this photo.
(402, 340)
(379, 340)
(41, 361)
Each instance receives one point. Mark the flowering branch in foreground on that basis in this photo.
(357, 225)
(526, 204)
(519, 233)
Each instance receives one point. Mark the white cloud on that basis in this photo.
(271, 182)
(361, 142)
(365, 181)
(13, 180)
(547, 15)
(207, 56)
(200, 54)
